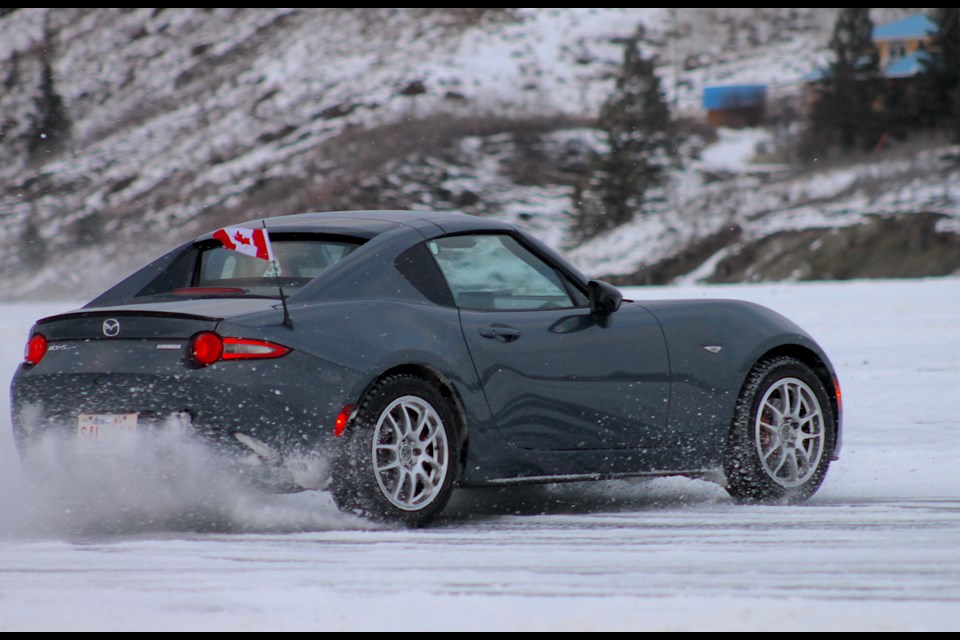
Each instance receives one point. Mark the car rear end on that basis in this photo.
(200, 339)
(96, 378)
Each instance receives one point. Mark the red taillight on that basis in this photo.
(36, 349)
(208, 347)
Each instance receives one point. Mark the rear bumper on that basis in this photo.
(290, 404)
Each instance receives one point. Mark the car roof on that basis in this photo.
(367, 224)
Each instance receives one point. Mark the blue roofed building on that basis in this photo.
(902, 48)
(903, 39)
(741, 105)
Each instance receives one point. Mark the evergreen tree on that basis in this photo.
(846, 112)
(33, 247)
(641, 139)
(51, 124)
(939, 85)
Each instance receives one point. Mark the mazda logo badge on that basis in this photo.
(111, 328)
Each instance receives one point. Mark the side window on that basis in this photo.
(495, 272)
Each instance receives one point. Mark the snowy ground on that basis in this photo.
(876, 549)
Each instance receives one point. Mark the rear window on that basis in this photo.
(213, 270)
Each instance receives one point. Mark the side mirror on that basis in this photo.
(604, 297)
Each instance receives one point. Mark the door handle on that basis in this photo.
(500, 332)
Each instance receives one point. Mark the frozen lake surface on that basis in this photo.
(149, 547)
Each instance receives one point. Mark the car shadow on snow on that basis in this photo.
(582, 498)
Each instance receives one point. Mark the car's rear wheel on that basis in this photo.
(398, 462)
(782, 436)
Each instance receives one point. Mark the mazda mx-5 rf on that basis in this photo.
(403, 354)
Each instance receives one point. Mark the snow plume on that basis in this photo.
(168, 483)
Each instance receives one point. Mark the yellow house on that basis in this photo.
(902, 43)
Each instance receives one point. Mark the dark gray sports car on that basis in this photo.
(407, 353)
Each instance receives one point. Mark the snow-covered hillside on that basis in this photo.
(124, 126)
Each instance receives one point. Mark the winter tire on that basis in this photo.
(399, 459)
(782, 437)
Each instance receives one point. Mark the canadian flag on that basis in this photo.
(252, 242)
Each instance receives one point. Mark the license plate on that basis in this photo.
(106, 432)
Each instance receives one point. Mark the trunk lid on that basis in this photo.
(151, 321)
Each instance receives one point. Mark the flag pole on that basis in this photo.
(287, 321)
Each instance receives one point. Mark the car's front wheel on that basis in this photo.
(782, 436)
(398, 462)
